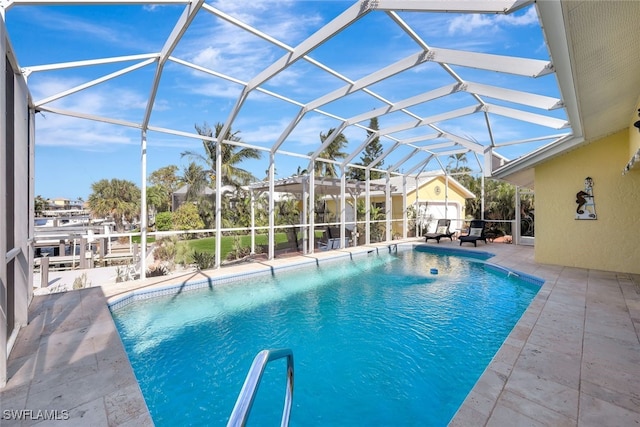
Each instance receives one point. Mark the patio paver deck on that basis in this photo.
(573, 358)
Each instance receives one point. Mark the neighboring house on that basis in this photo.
(59, 203)
(62, 212)
(432, 197)
(179, 197)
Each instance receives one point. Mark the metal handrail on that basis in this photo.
(241, 410)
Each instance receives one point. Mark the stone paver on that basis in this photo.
(577, 353)
(573, 358)
(70, 362)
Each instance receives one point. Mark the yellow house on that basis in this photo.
(430, 197)
(608, 241)
(59, 203)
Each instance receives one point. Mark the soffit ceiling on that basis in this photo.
(605, 52)
(428, 124)
(602, 44)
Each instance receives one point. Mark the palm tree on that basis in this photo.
(40, 205)
(232, 155)
(370, 153)
(166, 179)
(458, 159)
(195, 177)
(331, 152)
(156, 199)
(117, 198)
(300, 171)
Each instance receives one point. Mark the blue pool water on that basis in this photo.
(378, 340)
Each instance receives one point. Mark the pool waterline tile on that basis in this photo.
(258, 270)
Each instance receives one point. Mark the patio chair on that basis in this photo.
(442, 230)
(323, 242)
(476, 232)
(331, 239)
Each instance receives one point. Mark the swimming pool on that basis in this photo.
(377, 340)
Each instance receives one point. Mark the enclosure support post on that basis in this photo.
(405, 223)
(272, 171)
(367, 208)
(354, 233)
(516, 227)
(482, 196)
(303, 219)
(343, 207)
(253, 222)
(143, 208)
(387, 208)
(446, 196)
(218, 173)
(312, 208)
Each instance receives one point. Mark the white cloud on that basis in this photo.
(307, 133)
(467, 24)
(100, 99)
(219, 45)
(530, 17)
(207, 57)
(215, 89)
(63, 131)
(82, 28)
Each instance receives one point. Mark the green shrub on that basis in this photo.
(237, 250)
(166, 249)
(187, 218)
(204, 260)
(164, 221)
(184, 255)
(157, 270)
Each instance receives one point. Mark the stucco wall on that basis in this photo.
(611, 241)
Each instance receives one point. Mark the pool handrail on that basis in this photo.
(241, 410)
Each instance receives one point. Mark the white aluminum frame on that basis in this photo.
(437, 142)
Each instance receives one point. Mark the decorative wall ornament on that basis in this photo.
(632, 163)
(584, 198)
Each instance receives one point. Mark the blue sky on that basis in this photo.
(73, 153)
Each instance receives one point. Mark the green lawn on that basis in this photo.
(138, 239)
(208, 244)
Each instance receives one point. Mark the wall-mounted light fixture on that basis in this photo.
(637, 124)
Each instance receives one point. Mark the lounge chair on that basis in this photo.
(442, 230)
(331, 239)
(324, 243)
(476, 232)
